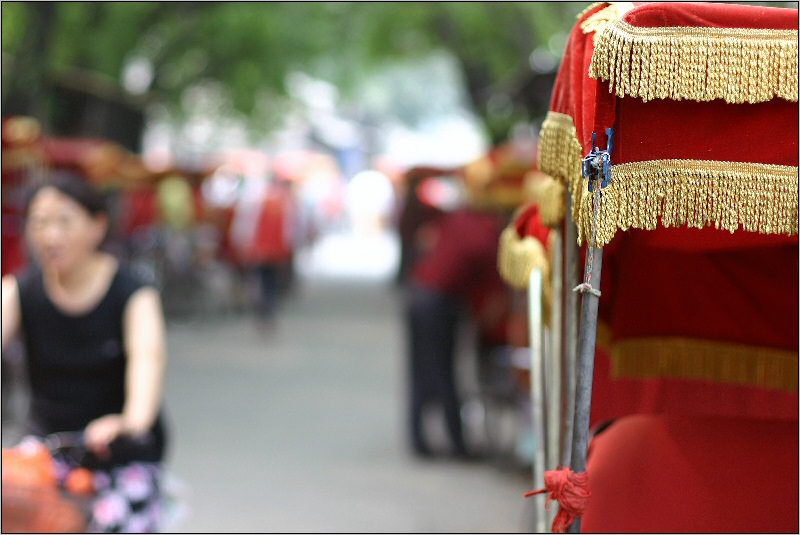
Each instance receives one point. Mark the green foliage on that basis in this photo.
(250, 47)
(14, 21)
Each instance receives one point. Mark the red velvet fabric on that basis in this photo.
(586, 100)
(733, 295)
(657, 130)
(745, 297)
(670, 474)
(709, 239)
(710, 15)
(529, 223)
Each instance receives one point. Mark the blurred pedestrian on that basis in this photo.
(417, 218)
(271, 249)
(456, 278)
(94, 340)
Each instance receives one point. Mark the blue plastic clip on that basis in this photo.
(598, 161)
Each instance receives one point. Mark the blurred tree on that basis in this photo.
(159, 50)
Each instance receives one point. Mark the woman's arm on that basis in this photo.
(145, 346)
(11, 311)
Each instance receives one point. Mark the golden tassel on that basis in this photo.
(560, 153)
(696, 193)
(599, 20)
(548, 193)
(517, 257)
(709, 360)
(695, 63)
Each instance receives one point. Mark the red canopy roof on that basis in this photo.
(699, 221)
(704, 117)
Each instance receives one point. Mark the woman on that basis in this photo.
(94, 337)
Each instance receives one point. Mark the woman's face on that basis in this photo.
(60, 231)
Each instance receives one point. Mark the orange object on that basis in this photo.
(32, 501)
(80, 481)
(30, 465)
(40, 510)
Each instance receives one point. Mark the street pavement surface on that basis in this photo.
(301, 428)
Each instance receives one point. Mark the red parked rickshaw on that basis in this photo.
(672, 386)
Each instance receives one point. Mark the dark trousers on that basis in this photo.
(432, 320)
(268, 281)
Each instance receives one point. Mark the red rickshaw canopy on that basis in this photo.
(698, 319)
(702, 100)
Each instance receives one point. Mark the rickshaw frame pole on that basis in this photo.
(587, 338)
(537, 393)
(553, 363)
(569, 333)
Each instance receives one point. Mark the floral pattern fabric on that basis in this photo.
(127, 498)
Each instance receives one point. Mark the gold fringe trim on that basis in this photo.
(560, 156)
(695, 193)
(611, 13)
(696, 63)
(688, 358)
(587, 9)
(517, 257)
(560, 153)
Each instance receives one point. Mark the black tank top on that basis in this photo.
(76, 363)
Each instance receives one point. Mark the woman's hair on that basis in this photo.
(77, 188)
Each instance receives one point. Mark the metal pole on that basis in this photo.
(553, 363)
(569, 332)
(537, 391)
(587, 338)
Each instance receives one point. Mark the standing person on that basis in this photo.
(416, 219)
(272, 247)
(457, 276)
(94, 340)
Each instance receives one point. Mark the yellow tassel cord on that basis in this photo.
(588, 8)
(517, 257)
(560, 154)
(695, 193)
(688, 358)
(696, 63)
(599, 20)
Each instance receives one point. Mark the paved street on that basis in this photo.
(301, 429)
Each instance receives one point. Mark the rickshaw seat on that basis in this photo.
(681, 474)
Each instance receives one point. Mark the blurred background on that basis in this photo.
(191, 116)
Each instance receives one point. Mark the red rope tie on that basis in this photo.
(570, 490)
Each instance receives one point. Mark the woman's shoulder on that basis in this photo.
(23, 280)
(128, 281)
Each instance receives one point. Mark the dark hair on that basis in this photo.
(75, 187)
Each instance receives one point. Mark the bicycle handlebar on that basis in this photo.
(64, 439)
